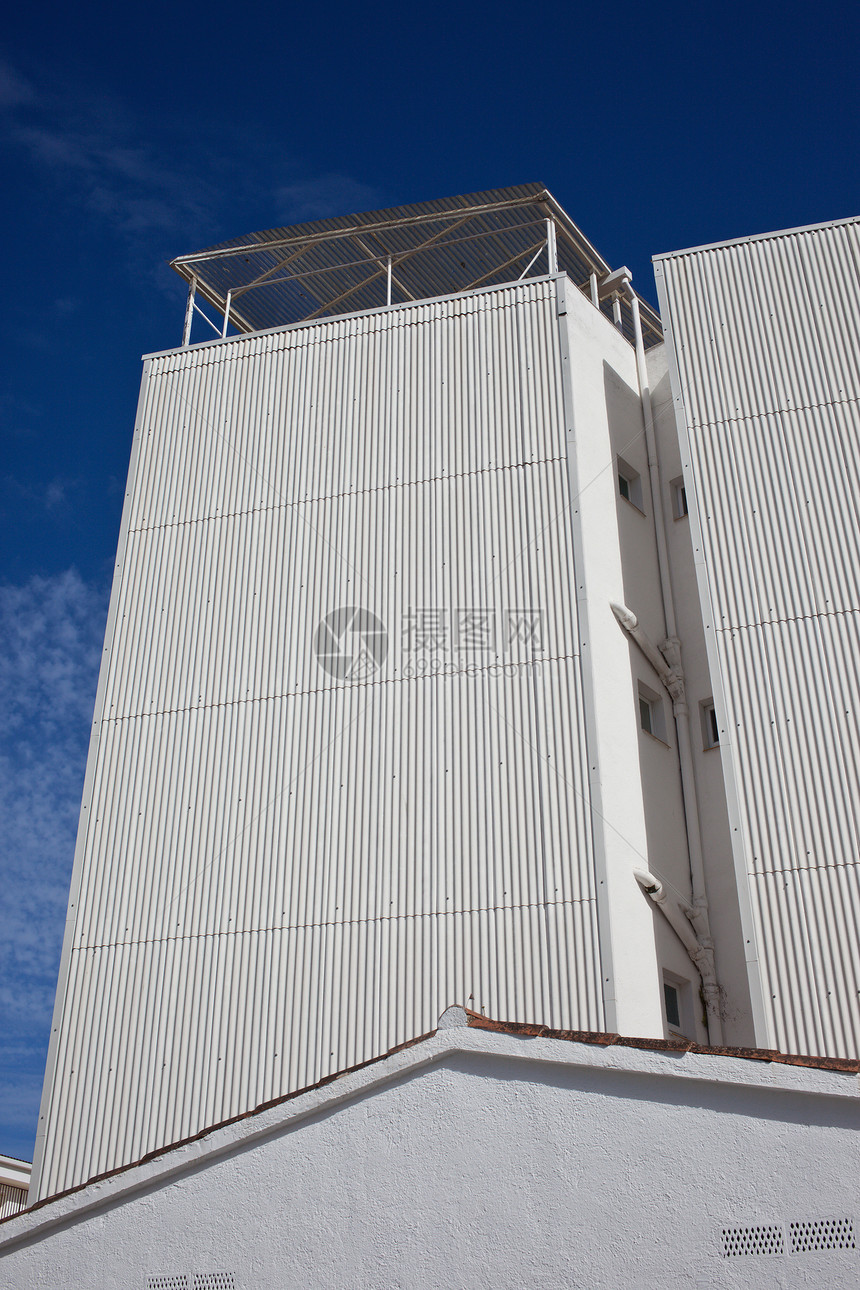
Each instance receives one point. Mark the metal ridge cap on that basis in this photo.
(220, 251)
(575, 233)
(756, 237)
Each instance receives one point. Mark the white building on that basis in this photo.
(480, 1159)
(407, 688)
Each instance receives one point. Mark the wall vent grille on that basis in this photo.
(822, 1234)
(199, 1281)
(752, 1240)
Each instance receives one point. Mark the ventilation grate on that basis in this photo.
(200, 1281)
(752, 1240)
(822, 1234)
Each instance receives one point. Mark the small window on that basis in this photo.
(679, 499)
(710, 726)
(652, 717)
(677, 1007)
(673, 1005)
(630, 484)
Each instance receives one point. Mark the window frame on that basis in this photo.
(680, 506)
(710, 725)
(686, 1027)
(627, 477)
(652, 702)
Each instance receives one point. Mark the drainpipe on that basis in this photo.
(612, 285)
(667, 663)
(673, 680)
(680, 918)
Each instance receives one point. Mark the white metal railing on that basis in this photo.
(600, 289)
(386, 269)
(12, 1200)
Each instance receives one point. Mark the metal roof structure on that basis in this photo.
(351, 263)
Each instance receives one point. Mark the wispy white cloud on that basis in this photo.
(329, 194)
(145, 183)
(15, 89)
(20, 1091)
(102, 157)
(129, 185)
(16, 413)
(50, 495)
(57, 492)
(51, 630)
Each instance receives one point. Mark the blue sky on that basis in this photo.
(132, 134)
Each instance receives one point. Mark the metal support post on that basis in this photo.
(551, 250)
(388, 287)
(226, 314)
(616, 311)
(189, 311)
(595, 298)
(541, 246)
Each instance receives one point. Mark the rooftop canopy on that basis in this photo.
(350, 263)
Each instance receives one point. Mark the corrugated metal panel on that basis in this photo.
(286, 873)
(766, 340)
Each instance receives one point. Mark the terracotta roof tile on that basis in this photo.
(530, 1030)
(849, 1065)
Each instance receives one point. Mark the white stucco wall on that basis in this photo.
(603, 414)
(720, 877)
(479, 1160)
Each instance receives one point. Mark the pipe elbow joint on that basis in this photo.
(625, 616)
(652, 886)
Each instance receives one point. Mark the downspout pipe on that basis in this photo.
(669, 668)
(615, 283)
(673, 680)
(653, 470)
(679, 918)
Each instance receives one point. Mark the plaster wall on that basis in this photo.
(479, 1160)
(720, 876)
(635, 776)
(602, 410)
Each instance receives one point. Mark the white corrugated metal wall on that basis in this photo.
(282, 873)
(765, 335)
